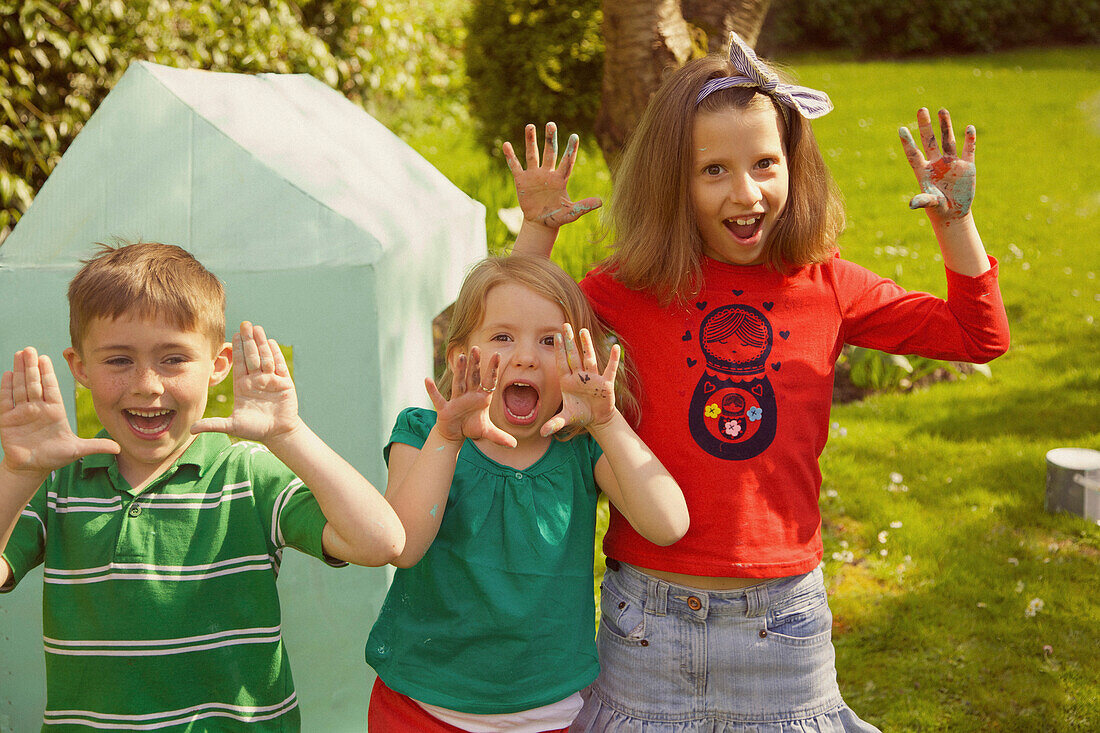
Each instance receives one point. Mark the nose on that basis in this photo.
(523, 355)
(148, 382)
(744, 190)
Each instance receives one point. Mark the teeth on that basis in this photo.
(149, 413)
(745, 222)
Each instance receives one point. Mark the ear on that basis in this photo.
(76, 365)
(223, 362)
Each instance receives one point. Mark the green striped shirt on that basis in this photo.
(160, 610)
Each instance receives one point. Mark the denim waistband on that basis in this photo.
(662, 597)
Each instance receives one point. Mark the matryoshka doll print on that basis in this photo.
(732, 413)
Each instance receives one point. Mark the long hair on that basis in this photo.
(148, 279)
(544, 278)
(657, 246)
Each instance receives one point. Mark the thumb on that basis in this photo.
(212, 425)
(92, 446)
(925, 201)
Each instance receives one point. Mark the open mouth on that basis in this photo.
(521, 403)
(744, 227)
(149, 422)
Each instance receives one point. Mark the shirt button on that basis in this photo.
(135, 510)
(694, 604)
(622, 605)
(763, 633)
(519, 475)
(644, 642)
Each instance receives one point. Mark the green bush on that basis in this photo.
(888, 28)
(533, 61)
(58, 59)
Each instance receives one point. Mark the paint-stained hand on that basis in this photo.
(587, 396)
(34, 429)
(946, 180)
(541, 187)
(466, 413)
(265, 403)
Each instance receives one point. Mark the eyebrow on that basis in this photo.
(169, 346)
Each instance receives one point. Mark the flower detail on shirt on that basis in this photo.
(732, 428)
(712, 410)
(755, 413)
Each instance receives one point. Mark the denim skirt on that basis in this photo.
(675, 659)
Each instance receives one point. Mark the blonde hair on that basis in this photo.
(150, 279)
(543, 278)
(657, 246)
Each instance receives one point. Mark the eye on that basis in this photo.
(175, 360)
(117, 361)
(547, 341)
(713, 170)
(767, 163)
(501, 337)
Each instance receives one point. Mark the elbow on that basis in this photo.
(987, 352)
(673, 530)
(378, 551)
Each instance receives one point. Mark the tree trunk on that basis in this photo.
(645, 39)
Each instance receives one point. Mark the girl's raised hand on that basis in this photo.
(587, 396)
(34, 428)
(466, 413)
(541, 188)
(946, 180)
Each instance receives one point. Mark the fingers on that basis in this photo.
(946, 133)
(916, 160)
(434, 394)
(612, 369)
(24, 361)
(92, 446)
(572, 359)
(500, 437)
(7, 400)
(281, 367)
(530, 146)
(927, 137)
(473, 376)
(970, 143)
(250, 352)
(570, 156)
(493, 369)
(588, 352)
(510, 158)
(550, 147)
(552, 426)
(51, 390)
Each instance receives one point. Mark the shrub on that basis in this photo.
(887, 28)
(533, 61)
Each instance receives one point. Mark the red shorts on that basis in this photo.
(392, 712)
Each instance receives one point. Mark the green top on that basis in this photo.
(159, 607)
(498, 616)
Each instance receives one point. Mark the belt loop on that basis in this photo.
(758, 601)
(656, 601)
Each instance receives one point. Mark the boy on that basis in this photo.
(161, 540)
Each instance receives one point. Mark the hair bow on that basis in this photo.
(754, 73)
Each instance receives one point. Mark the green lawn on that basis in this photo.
(959, 603)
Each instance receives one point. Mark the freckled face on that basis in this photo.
(739, 181)
(149, 383)
(520, 324)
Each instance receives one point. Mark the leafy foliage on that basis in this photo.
(532, 61)
(60, 58)
(887, 28)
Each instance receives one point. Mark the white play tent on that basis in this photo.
(327, 229)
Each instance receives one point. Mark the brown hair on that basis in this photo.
(150, 279)
(544, 278)
(657, 245)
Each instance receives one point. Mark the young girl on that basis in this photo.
(488, 625)
(725, 285)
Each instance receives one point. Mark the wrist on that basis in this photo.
(26, 478)
(601, 427)
(283, 436)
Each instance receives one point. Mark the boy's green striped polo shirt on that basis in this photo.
(160, 609)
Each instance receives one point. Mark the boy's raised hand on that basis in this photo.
(541, 187)
(466, 413)
(265, 404)
(947, 181)
(587, 396)
(34, 429)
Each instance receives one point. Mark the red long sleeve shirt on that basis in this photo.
(735, 390)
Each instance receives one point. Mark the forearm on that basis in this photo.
(647, 495)
(367, 532)
(961, 245)
(16, 489)
(419, 494)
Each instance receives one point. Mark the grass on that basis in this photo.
(959, 603)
